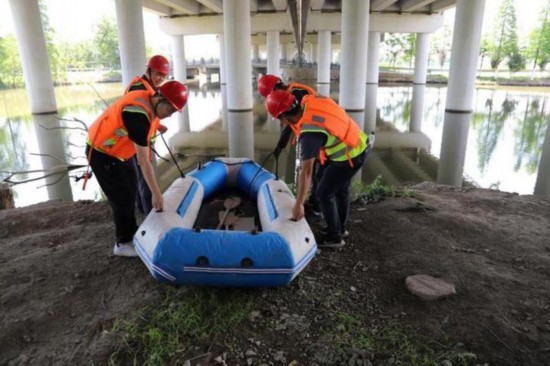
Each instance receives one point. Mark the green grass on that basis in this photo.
(393, 344)
(377, 191)
(187, 317)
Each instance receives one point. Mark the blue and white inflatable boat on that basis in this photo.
(176, 249)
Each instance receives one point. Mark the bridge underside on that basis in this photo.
(298, 17)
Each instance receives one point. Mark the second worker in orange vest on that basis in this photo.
(157, 70)
(123, 131)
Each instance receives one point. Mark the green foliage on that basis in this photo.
(440, 44)
(395, 44)
(504, 38)
(187, 317)
(376, 191)
(538, 48)
(516, 62)
(11, 71)
(106, 44)
(392, 344)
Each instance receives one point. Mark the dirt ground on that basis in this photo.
(61, 288)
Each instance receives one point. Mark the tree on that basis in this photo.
(54, 56)
(394, 44)
(11, 71)
(441, 44)
(106, 44)
(516, 62)
(538, 48)
(504, 38)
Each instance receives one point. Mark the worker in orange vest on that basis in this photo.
(326, 132)
(157, 70)
(125, 130)
(268, 83)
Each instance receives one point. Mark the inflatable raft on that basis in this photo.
(181, 246)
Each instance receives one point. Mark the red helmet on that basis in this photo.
(159, 63)
(279, 101)
(174, 92)
(267, 83)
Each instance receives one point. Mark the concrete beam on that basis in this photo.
(379, 5)
(316, 5)
(412, 5)
(213, 24)
(390, 23)
(279, 5)
(157, 8)
(261, 23)
(215, 5)
(442, 5)
(184, 6)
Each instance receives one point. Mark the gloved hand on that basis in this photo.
(277, 151)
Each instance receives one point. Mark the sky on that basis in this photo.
(69, 26)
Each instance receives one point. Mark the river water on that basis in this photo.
(503, 152)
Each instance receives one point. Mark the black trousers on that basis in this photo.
(144, 196)
(333, 192)
(117, 180)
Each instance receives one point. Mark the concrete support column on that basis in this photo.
(373, 71)
(180, 74)
(462, 75)
(323, 66)
(223, 81)
(419, 80)
(542, 185)
(39, 86)
(284, 54)
(236, 25)
(273, 53)
(131, 38)
(314, 52)
(353, 70)
(256, 52)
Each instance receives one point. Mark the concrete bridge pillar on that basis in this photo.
(256, 52)
(39, 85)
(323, 66)
(131, 39)
(460, 90)
(237, 29)
(353, 70)
(273, 53)
(284, 54)
(542, 185)
(223, 82)
(372, 81)
(419, 81)
(180, 74)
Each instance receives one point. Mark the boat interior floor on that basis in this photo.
(241, 216)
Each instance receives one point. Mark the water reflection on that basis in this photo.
(506, 134)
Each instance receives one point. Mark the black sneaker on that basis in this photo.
(329, 242)
(324, 232)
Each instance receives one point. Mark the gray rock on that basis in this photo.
(429, 288)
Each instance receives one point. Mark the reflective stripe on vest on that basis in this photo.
(345, 140)
(108, 133)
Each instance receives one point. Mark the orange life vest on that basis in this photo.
(108, 133)
(345, 140)
(139, 81)
(310, 91)
(307, 88)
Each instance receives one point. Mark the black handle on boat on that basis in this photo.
(172, 155)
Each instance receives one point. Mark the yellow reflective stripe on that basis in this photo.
(338, 152)
(134, 109)
(313, 128)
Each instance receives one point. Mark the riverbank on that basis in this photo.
(64, 295)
